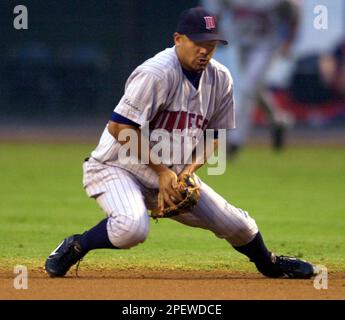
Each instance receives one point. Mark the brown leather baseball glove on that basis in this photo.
(190, 194)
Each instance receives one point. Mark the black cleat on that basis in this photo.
(290, 267)
(282, 123)
(68, 253)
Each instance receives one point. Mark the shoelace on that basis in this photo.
(72, 254)
(77, 268)
(290, 264)
(289, 261)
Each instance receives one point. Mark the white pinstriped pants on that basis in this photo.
(125, 201)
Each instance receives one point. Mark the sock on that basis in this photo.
(256, 250)
(96, 238)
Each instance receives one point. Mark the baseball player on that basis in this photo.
(179, 88)
(258, 30)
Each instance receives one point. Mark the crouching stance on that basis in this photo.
(181, 90)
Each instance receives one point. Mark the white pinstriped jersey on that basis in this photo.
(158, 91)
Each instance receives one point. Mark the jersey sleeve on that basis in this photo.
(143, 96)
(224, 115)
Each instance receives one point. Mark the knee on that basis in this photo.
(126, 231)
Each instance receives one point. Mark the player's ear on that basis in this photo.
(177, 39)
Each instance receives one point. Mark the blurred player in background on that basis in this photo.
(332, 69)
(259, 30)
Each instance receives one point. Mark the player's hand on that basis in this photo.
(168, 189)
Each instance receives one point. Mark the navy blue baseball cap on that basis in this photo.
(199, 25)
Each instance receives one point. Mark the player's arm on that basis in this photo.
(167, 177)
(222, 118)
(145, 91)
(288, 13)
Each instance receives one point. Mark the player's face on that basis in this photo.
(194, 56)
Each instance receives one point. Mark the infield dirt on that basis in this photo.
(140, 284)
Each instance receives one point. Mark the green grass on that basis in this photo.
(296, 197)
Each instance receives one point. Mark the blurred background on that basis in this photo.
(70, 66)
(75, 56)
